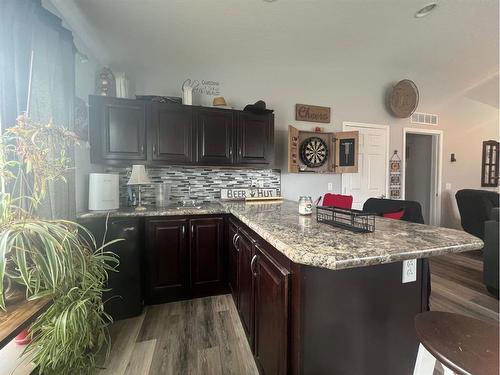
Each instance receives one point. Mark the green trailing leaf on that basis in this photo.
(56, 258)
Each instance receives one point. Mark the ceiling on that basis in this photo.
(458, 42)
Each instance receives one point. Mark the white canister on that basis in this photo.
(187, 95)
(305, 205)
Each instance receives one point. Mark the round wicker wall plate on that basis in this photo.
(314, 152)
(404, 98)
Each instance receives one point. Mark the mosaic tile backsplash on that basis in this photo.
(200, 183)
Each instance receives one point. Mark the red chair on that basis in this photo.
(337, 200)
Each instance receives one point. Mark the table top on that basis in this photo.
(464, 345)
(19, 314)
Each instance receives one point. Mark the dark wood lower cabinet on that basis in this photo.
(233, 260)
(298, 319)
(271, 314)
(184, 258)
(166, 260)
(260, 286)
(244, 244)
(207, 255)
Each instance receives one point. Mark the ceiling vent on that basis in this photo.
(424, 118)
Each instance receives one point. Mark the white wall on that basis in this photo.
(355, 92)
(468, 124)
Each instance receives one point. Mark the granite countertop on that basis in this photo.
(305, 241)
(214, 208)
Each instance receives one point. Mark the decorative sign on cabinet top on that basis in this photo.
(312, 113)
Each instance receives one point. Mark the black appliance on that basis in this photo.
(124, 299)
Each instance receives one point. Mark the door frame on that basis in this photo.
(436, 170)
(345, 127)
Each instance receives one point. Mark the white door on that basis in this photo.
(373, 164)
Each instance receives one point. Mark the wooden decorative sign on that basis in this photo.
(249, 194)
(312, 113)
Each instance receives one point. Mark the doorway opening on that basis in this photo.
(422, 155)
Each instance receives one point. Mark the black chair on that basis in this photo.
(412, 210)
(475, 208)
(490, 252)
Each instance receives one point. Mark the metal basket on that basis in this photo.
(353, 220)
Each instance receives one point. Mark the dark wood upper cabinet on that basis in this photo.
(271, 314)
(172, 133)
(166, 260)
(245, 283)
(126, 130)
(255, 136)
(117, 129)
(214, 136)
(233, 260)
(207, 255)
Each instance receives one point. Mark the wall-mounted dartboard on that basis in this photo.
(314, 152)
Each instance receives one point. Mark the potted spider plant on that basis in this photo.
(50, 257)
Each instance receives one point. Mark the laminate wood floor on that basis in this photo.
(457, 286)
(205, 336)
(201, 336)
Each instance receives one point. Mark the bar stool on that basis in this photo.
(461, 344)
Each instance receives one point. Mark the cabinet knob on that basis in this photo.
(154, 149)
(234, 239)
(183, 231)
(128, 229)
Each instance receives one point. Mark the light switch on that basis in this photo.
(448, 186)
(409, 271)
(330, 186)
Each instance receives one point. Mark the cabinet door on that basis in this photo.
(255, 138)
(207, 255)
(117, 129)
(214, 133)
(166, 260)
(271, 314)
(245, 280)
(172, 128)
(233, 260)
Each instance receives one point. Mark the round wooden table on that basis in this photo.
(466, 346)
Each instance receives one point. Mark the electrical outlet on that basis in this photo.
(448, 186)
(330, 186)
(409, 271)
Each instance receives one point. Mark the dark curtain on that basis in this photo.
(32, 38)
(16, 21)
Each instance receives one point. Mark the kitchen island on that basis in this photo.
(313, 299)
